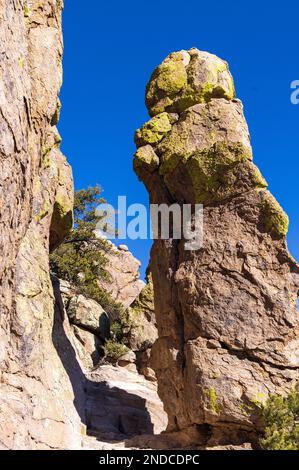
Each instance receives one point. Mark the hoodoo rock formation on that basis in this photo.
(226, 313)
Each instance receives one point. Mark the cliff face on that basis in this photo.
(226, 313)
(36, 396)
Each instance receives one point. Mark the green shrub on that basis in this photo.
(81, 258)
(121, 327)
(113, 350)
(281, 418)
(117, 332)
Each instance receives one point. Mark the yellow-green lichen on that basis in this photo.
(213, 400)
(46, 156)
(179, 83)
(53, 141)
(167, 80)
(258, 179)
(21, 61)
(172, 77)
(259, 399)
(206, 91)
(134, 315)
(27, 10)
(218, 75)
(154, 130)
(145, 157)
(161, 106)
(180, 144)
(255, 403)
(61, 222)
(56, 115)
(43, 212)
(175, 146)
(274, 219)
(145, 299)
(46, 160)
(212, 171)
(191, 95)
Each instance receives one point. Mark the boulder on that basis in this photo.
(88, 347)
(141, 319)
(128, 361)
(124, 284)
(88, 314)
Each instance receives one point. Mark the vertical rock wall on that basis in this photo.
(37, 407)
(226, 313)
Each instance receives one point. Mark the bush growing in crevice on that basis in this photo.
(281, 420)
(113, 350)
(81, 258)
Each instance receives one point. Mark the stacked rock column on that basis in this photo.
(226, 313)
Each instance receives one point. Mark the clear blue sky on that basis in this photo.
(111, 50)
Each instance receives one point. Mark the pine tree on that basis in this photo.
(81, 258)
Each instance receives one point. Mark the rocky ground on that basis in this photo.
(121, 404)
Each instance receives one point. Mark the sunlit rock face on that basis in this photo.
(37, 398)
(226, 313)
(123, 283)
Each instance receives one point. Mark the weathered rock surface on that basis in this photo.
(113, 402)
(91, 326)
(143, 329)
(88, 314)
(121, 403)
(143, 332)
(226, 313)
(124, 284)
(36, 397)
(88, 347)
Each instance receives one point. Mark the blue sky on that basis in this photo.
(110, 53)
